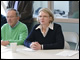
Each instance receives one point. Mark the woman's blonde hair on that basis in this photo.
(47, 10)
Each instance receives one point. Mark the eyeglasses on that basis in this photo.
(10, 16)
(43, 16)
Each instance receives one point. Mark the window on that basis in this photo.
(38, 5)
(65, 11)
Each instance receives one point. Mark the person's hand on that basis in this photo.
(4, 43)
(35, 46)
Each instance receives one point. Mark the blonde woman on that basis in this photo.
(46, 34)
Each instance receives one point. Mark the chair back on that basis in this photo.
(71, 37)
(66, 45)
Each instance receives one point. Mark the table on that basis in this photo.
(20, 53)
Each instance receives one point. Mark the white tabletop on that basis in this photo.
(21, 53)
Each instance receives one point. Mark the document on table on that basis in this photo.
(28, 49)
(67, 53)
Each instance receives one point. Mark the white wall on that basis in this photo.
(3, 7)
(70, 27)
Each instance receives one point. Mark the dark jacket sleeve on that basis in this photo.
(10, 4)
(30, 38)
(27, 9)
(59, 39)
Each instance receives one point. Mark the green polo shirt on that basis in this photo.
(16, 34)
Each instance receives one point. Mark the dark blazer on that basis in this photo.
(53, 40)
(25, 8)
(3, 20)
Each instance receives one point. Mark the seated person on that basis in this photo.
(13, 30)
(3, 20)
(46, 34)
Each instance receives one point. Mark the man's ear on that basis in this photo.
(18, 18)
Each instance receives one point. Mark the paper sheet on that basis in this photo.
(67, 53)
(28, 49)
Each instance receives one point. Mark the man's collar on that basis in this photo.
(15, 25)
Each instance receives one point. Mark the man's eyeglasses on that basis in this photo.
(10, 16)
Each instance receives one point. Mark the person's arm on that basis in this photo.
(4, 43)
(59, 40)
(30, 38)
(22, 36)
(27, 10)
(35, 46)
(10, 4)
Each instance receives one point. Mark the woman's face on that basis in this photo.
(44, 18)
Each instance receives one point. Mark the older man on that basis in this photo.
(13, 30)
